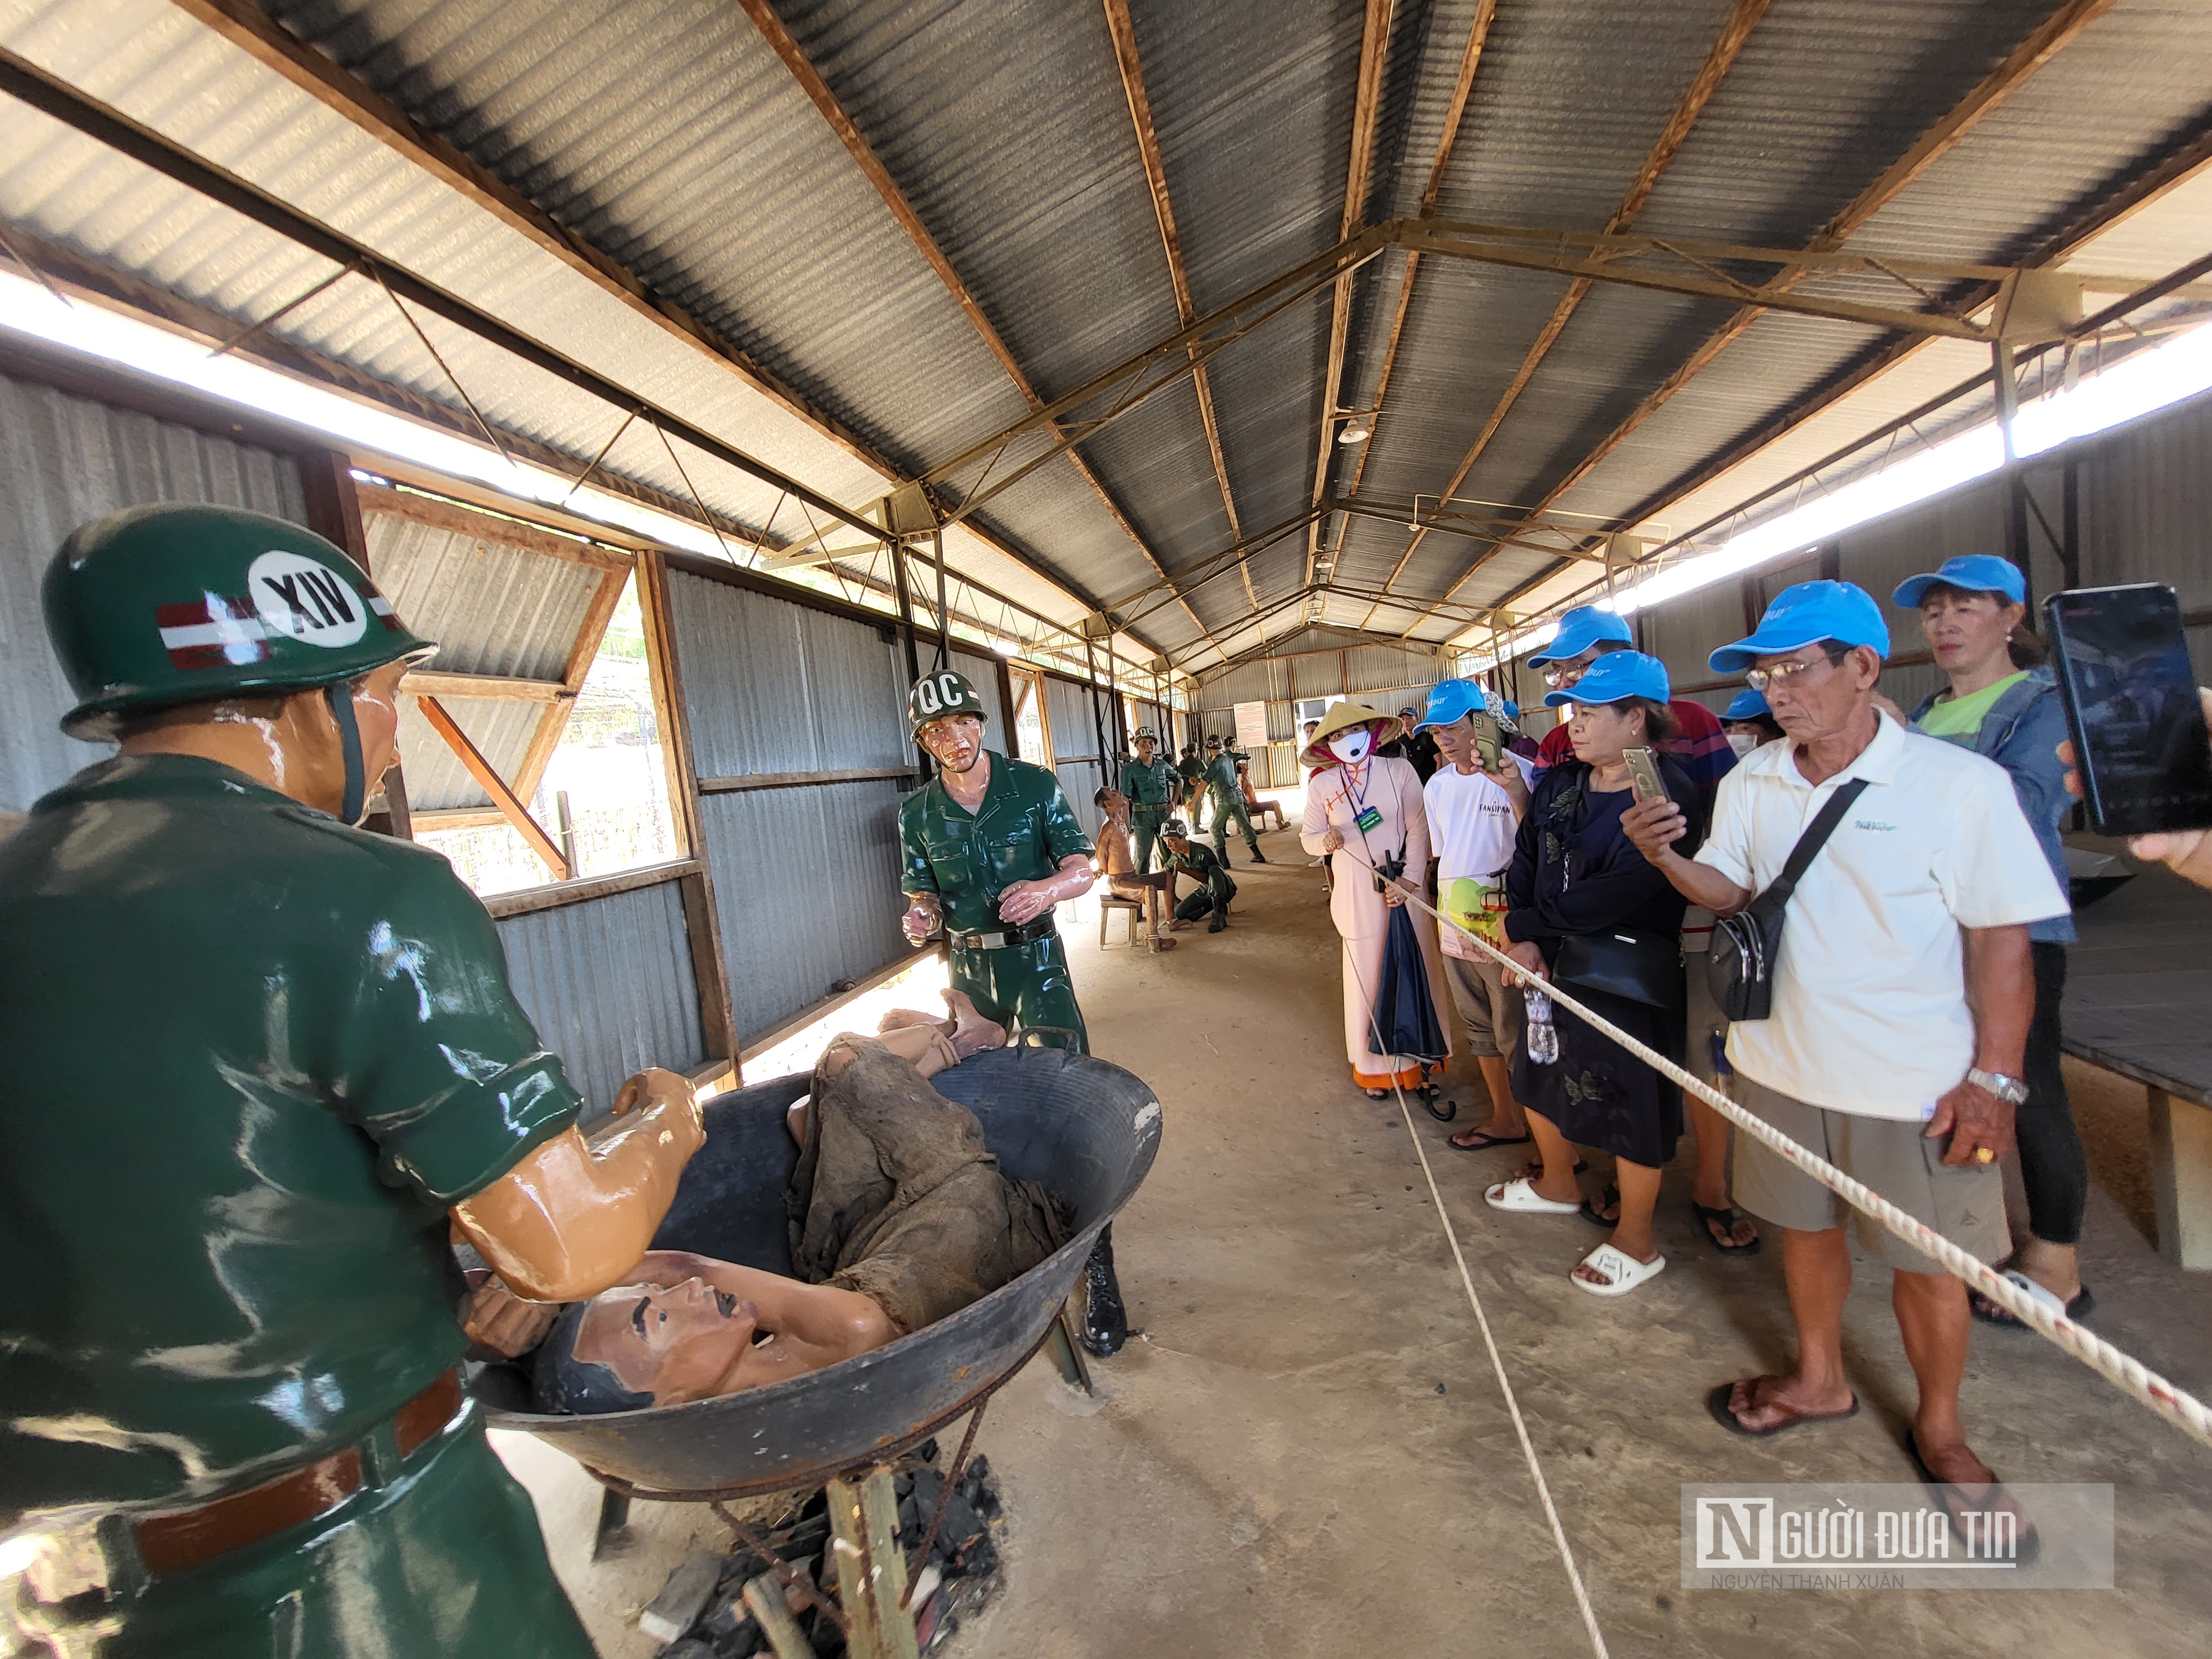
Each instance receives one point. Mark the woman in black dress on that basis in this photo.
(1574, 872)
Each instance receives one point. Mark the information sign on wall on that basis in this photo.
(1251, 726)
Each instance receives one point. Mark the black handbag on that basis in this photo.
(1641, 967)
(1739, 964)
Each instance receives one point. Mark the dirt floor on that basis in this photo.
(1307, 1452)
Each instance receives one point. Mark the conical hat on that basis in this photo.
(1342, 718)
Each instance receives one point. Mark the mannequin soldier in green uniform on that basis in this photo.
(1192, 771)
(990, 845)
(259, 1065)
(1150, 785)
(1228, 796)
(1196, 860)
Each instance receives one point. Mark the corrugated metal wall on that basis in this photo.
(774, 686)
(1075, 745)
(807, 883)
(807, 877)
(610, 986)
(64, 459)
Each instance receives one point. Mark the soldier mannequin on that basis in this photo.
(260, 1064)
(1227, 794)
(1150, 785)
(990, 845)
(1192, 771)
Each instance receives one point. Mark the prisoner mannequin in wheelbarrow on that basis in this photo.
(990, 845)
(260, 1064)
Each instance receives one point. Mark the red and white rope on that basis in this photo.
(2180, 1407)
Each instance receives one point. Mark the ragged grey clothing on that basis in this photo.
(896, 1196)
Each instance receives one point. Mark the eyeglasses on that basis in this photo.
(1560, 675)
(1785, 674)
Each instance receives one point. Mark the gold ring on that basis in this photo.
(1983, 1155)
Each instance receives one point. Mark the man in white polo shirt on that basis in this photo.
(1902, 998)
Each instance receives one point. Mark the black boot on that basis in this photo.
(1105, 1321)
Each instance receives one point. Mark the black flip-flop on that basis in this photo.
(2027, 1545)
(1484, 1140)
(1728, 1216)
(1716, 1402)
(1611, 1195)
(1988, 1313)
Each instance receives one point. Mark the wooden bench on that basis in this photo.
(2139, 985)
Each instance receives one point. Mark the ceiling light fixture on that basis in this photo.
(1356, 431)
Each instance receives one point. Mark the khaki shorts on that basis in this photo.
(1492, 1012)
(1963, 1202)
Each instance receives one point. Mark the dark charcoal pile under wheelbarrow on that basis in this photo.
(1084, 1129)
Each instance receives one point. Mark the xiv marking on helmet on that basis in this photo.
(157, 606)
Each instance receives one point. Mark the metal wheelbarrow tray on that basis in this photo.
(1084, 1129)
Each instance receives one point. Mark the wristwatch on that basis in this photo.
(2009, 1090)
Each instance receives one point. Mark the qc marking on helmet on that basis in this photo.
(938, 692)
(306, 599)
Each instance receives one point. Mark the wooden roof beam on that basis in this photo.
(1730, 42)
(1122, 28)
(2059, 30)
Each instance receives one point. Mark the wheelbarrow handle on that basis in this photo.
(1066, 1045)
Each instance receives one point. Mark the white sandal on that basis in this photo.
(1521, 1197)
(1626, 1271)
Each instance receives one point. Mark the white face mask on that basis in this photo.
(1743, 742)
(1351, 746)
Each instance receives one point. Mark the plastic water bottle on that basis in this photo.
(1543, 1036)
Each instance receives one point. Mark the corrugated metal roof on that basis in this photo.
(64, 460)
(608, 985)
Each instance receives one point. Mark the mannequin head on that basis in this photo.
(1147, 746)
(290, 741)
(954, 742)
(641, 1344)
(1115, 805)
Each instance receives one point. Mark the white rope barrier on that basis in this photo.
(2176, 1406)
(1482, 1323)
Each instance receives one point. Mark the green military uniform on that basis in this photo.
(253, 1057)
(1152, 790)
(1021, 831)
(1228, 795)
(1192, 771)
(1215, 890)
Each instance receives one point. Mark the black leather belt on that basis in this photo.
(1029, 932)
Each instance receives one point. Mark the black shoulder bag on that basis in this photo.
(1739, 965)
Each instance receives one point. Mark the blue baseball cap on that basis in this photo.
(1616, 675)
(1970, 573)
(1746, 705)
(1806, 615)
(1512, 709)
(1579, 629)
(1451, 701)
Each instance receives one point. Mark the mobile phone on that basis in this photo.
(2140, 743)
(1644, 774)
(1486, 741)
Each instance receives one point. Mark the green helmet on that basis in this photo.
(156, 606)
(935, 696)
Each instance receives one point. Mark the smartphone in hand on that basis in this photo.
(2140, 741)
(1487, 741)
(1644, 774)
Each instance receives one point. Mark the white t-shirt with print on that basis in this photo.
(1870, 1013)
(1471, 829)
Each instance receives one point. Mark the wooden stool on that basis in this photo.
(1107, 903)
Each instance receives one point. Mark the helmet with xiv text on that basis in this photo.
(154, 607)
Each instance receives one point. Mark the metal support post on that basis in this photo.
(944, 614)
(2016, 500)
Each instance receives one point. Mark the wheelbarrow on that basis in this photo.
(1084, 1129)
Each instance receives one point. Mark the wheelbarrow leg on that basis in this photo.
(614, 1516)
(871, 1567)
(1068, 1356)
